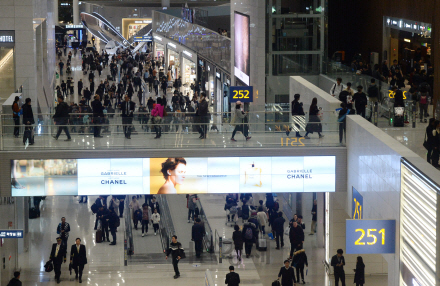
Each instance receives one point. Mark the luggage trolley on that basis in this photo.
(227, 247)
(233, 214)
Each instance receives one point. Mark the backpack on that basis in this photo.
(423, 99)
(94, 208)
(249, 234)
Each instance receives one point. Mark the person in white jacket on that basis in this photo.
(262, 219)
(155, 219)
(337, 88)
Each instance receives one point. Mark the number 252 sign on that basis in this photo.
(370, 236)
(241, 93)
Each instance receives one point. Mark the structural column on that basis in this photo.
(75, 12)
(55, 12)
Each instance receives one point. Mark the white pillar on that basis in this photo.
(75, 12)
(166, 3)
(55, 12)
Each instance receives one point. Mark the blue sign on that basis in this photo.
(370, 236)
(241, 93)
(357, 205)
(11, 233)
(143, 39)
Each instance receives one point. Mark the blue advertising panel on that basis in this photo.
(357, 205)
(11, 233)
(370, 236)
(241, 93)
(143, 39)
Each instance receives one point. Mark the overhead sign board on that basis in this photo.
(11, 233)
(174, 175)
(7, 38)
(74, 27)
(370, 236)
(241, 93)
(143, 39)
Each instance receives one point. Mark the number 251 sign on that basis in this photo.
(241, 93)
(370, 236)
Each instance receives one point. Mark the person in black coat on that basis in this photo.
(57, 256)
(296, 236)
(297, 110)
(121, 199)
(237, 237)
(430, 139)
(278, 227)
(61, 117)
(197, 233)
(359, 272)
(248, 237)
(232, 278)
(176, 251)
(16, 280)
(287, 273)
(102, 216)
(112, 221)
(80, 86)
(338, 262)
(98, 116)
(78, 258)
(127, 108)
(299, 260)
(360, 101)
(28, 117)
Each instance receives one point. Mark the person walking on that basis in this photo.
(28, 118)
(154, 205)
(114, 202)
(239, 121)
(338, 262)
(204, 117)
(359, 272)
(121, 199)
(113, 223)
(237, 237)
(314, 217)
(429, 138)
(299, 260)
(191, 207)
(337, 88)
(80, 86)
(262, 219)
(135, 208)
(78, 258)
(197, 234)
(127, 109)
(296, 237)
(16, 116)
(436, 144)
(278, 227)
(16, 280)
(61, 118)
(61, 66)
(63, 230)
(157, 114)
(175, 250)
(155, 219)
(145, 217)
(297, 115)
(98, 116)
(287, 274)
(102, 216)
(314, 124)
(342, 120)
(249, 234)
(57, 256)
(360, 101)
(232, 278)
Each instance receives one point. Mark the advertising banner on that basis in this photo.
(173, 175)
(242, 47)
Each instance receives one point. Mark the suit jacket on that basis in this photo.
(232, 279)
(126, 111)
(78, 258)
(61, 254)
(334, 261)
(198, 231)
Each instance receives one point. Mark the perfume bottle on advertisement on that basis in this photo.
(252, 176)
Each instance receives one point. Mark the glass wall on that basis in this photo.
(173, 65)
(189, 74)
(7, 73)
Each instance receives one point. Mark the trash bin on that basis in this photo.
(227, 247)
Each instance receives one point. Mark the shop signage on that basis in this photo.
(218, 75)
(157, 38)
(241, 93)
(409, 26)
(7, 38)
(172, 45)
(187, 53)
(370, 236)
(143, 39)
(357, 204)
(201, 63)
(74, 27)
(11, 233)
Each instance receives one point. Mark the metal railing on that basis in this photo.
(208, 238)
(167, 226)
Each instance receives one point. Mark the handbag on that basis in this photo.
(425, 143)
(48, 267)
(182, 253)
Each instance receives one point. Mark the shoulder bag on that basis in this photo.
(426, 143)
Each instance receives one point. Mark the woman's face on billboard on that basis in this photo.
(177, 175)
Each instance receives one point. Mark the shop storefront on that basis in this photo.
(188, 70)
(130, 26)
(159, 47)
(7, 66)
(173, 62)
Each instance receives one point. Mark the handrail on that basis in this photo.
(208, 237)
(166, 219)
(128, 227)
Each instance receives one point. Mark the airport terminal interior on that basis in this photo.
(217, 142)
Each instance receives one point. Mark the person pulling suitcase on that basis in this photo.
(28, 121)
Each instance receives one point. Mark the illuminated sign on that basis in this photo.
(241, 93)
(172, 45)
(391, 94)
(65, 4)
(143, 39)
(7, 38)
(74, 27)
(370, 236)
(187, 53)
(357, 204)
(11, 233)
(218, 75)
(158, 38)
(175, 175)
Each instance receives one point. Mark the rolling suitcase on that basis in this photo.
(262, 244)
(99, 236)
(27, 136)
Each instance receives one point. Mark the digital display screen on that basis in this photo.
(242, 47)
(173, 175)
(370, 236)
